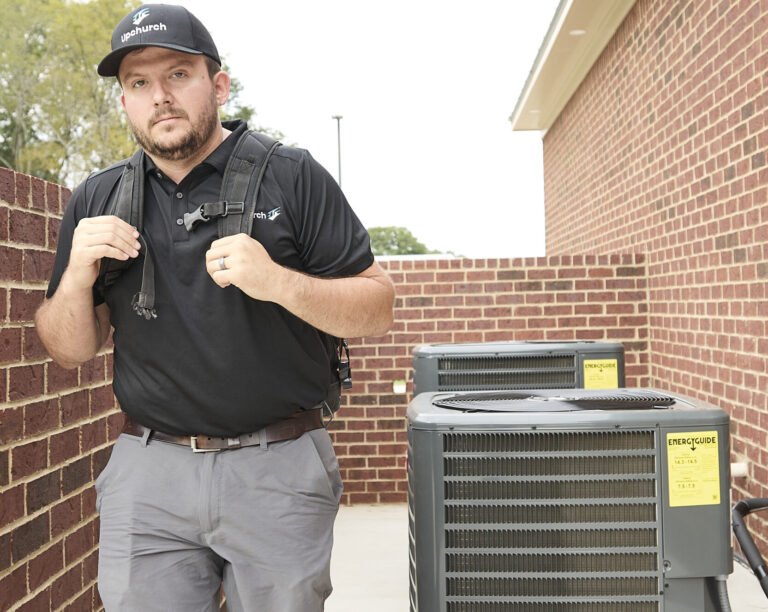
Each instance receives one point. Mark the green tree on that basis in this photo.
(80, 112)
(396, 241)
(58, 119)
(22, 52)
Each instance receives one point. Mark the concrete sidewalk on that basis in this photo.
(369, 567)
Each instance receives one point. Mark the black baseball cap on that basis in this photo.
(158, 25)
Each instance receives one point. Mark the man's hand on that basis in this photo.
(348, 307)
(248, 267)
(71, 329)
(95, 238)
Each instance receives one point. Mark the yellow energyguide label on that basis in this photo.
(694, 468)
(601, 373)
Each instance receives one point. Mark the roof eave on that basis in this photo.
(579, 32)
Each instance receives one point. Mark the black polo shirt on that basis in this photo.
(216, 361)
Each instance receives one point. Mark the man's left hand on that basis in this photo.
(243, 262)
(345, 307)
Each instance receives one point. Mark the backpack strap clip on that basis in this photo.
(212, 210)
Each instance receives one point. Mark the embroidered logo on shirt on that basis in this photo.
(270, 216)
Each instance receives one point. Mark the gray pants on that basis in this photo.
(176, 526)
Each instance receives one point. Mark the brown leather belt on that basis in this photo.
(286, 429)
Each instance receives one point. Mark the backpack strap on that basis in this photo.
(239, 194)
(128, 205)
(240, 187)
(242, 180)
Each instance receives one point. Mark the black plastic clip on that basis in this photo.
(211, 210)
(192, 219)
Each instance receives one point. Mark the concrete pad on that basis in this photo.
(369, 565)
(744, 591)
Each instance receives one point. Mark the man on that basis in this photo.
(242, 354)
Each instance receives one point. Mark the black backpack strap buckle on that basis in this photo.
(212, 210)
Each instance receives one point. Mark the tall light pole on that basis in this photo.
(338, 139)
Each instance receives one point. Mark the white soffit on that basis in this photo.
(579, 32)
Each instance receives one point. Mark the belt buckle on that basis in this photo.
(195, 449)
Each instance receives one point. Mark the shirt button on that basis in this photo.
(160, 175)
(179, 195)
(179, 221)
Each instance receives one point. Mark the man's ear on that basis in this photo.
(221, 83)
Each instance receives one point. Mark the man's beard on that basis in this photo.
(190, 143)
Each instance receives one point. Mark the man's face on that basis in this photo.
(171, 101)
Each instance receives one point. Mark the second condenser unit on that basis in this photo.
(518, 365)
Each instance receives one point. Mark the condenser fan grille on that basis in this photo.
(552, 539)
(569, 513)
(510, 401)
(511, 606)
(553, 563)
(551, 520)
(548, 489)
(551, 587)
(461, 373)
(457, 381)
(500, 362)
(549, 442)
(572, 466)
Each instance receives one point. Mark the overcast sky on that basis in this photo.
(425, 88)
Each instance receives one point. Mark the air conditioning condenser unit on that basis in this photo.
(567, 501)
(518, 365)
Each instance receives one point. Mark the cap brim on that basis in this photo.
(110, 65)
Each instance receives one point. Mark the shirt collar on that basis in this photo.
(220, 156)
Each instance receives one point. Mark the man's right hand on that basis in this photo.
(95, 238)
(71, 328)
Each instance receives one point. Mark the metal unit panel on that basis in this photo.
(697, 534)
(425, 499)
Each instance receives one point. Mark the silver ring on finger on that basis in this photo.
(222, 265)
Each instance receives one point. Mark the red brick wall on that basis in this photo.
(462, 300)
(57, 426)
(662, 151)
